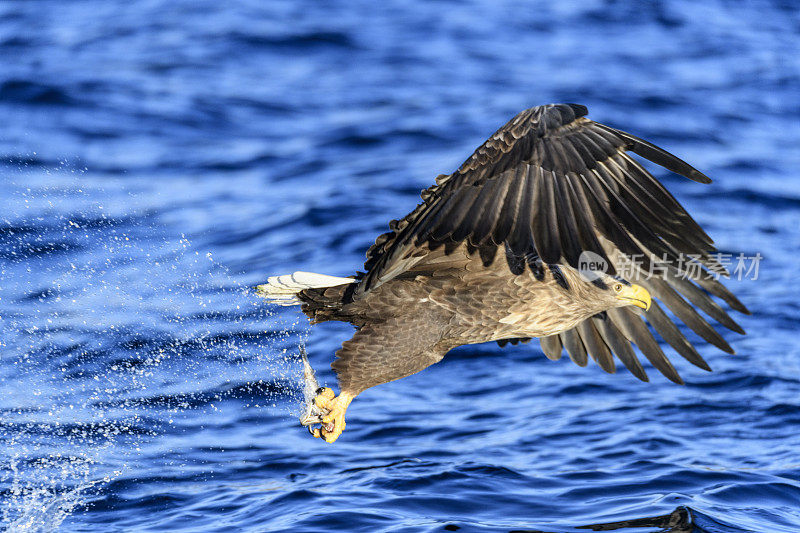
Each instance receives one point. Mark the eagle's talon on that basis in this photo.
(324, 397)
(332, 422)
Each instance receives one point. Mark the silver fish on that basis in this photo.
(311, 413)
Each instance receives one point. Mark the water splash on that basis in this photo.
(111, 331)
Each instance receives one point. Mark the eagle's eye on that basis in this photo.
(617, 287)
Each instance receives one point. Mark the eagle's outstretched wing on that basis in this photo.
(550, 185)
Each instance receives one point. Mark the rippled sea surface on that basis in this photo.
(158, 159)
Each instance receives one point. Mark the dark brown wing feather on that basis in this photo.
(551, 184)
(548, 183)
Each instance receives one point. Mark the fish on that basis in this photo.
(311, 415)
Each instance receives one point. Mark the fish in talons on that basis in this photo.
(312, 414)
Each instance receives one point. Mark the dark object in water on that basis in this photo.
(681, 520)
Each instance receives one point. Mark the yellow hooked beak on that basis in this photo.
(633, 295)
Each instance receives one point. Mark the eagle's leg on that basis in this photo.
(377, 353)
(332, 422)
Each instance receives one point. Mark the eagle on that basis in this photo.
(549, 230)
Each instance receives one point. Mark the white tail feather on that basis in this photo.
(282, 290)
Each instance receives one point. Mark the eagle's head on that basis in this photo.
(621, 292)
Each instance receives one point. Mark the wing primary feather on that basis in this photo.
(584, 158)
(639, 220)
(574, 346)
(721, 291)
(580, 355)
(643, 179)
(670, 333)
(632, 223)
(551, 346)
(654, 189)
(701, 300)
(635, 329)
(600, 144)
(709, 261)
(658, 155)
(605, 133)
(662, 222)
(595, 346)
(607, 224)
(657, 191)
(661, 290)
(618, 344)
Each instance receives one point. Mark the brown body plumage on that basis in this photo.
(447, 301)
(492, 253)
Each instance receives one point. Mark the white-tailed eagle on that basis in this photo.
(494, 253)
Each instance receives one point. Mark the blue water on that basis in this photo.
(160, 158)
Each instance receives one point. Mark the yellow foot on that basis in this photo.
(333, 421)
